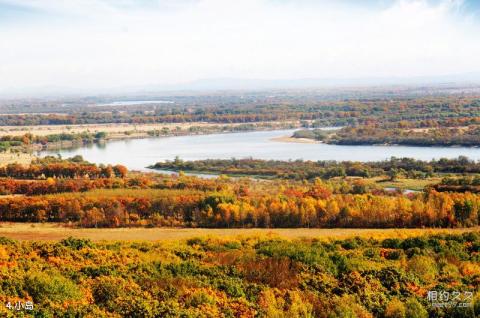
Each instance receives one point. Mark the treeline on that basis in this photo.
(459, 121)
(367, 135)
(85, 137)
(250, 276)
(300, 170)
(9, 186)
(373, 134)
(51, 185)
(9, 141)
(459, 184)
(337, 112)
(261, 205)
(102, 196)
(151, 118)
(51, 168)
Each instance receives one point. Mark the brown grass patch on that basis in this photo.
(53, 232)
(20, 158)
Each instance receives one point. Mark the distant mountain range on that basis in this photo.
(219, 84)
(253, 84)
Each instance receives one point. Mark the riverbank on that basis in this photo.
(75, 136)
(127, 130)
(373, 136)
(295, 140)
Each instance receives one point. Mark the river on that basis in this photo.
(137, 154)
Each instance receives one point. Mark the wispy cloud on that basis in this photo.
(108, 43)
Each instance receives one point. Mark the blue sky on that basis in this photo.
(20, 10)
(104, 44)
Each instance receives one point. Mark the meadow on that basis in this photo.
(59, 231)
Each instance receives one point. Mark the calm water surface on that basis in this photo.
(136, 154)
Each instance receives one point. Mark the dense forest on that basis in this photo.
(244, 277)
(77, 192)
(312, 206)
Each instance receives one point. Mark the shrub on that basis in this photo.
(414, 309)
(76, 244)
(414, 251)
(393, 279)
(347, 307)
(418, 242)
(423, 267)
(6, 241)
(231, 287)
(198, 298)
(51, 287)
(349, 244)
(137, 307)
(450, 272)
(395, 309)
(371, 253)
(300, 252)
(391, 243)
(106, 290)
(393, 255)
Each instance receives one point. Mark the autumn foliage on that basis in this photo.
(64, 169)
(243, 277)
(193, 202)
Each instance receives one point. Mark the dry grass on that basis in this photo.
(21, 158)
(112, 129)
(461, 128)
(52, 232)
(43, 130)
(404, 183)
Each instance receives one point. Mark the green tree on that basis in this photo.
(414, 309)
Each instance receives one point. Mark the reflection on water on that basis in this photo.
(139, 153)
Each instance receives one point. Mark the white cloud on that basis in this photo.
(103, 44)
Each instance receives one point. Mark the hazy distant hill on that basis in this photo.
(218, 84)
(236, 83)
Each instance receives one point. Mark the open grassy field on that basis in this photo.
(49, 231)
(115, 129)
(21, 158)
(404, 183)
